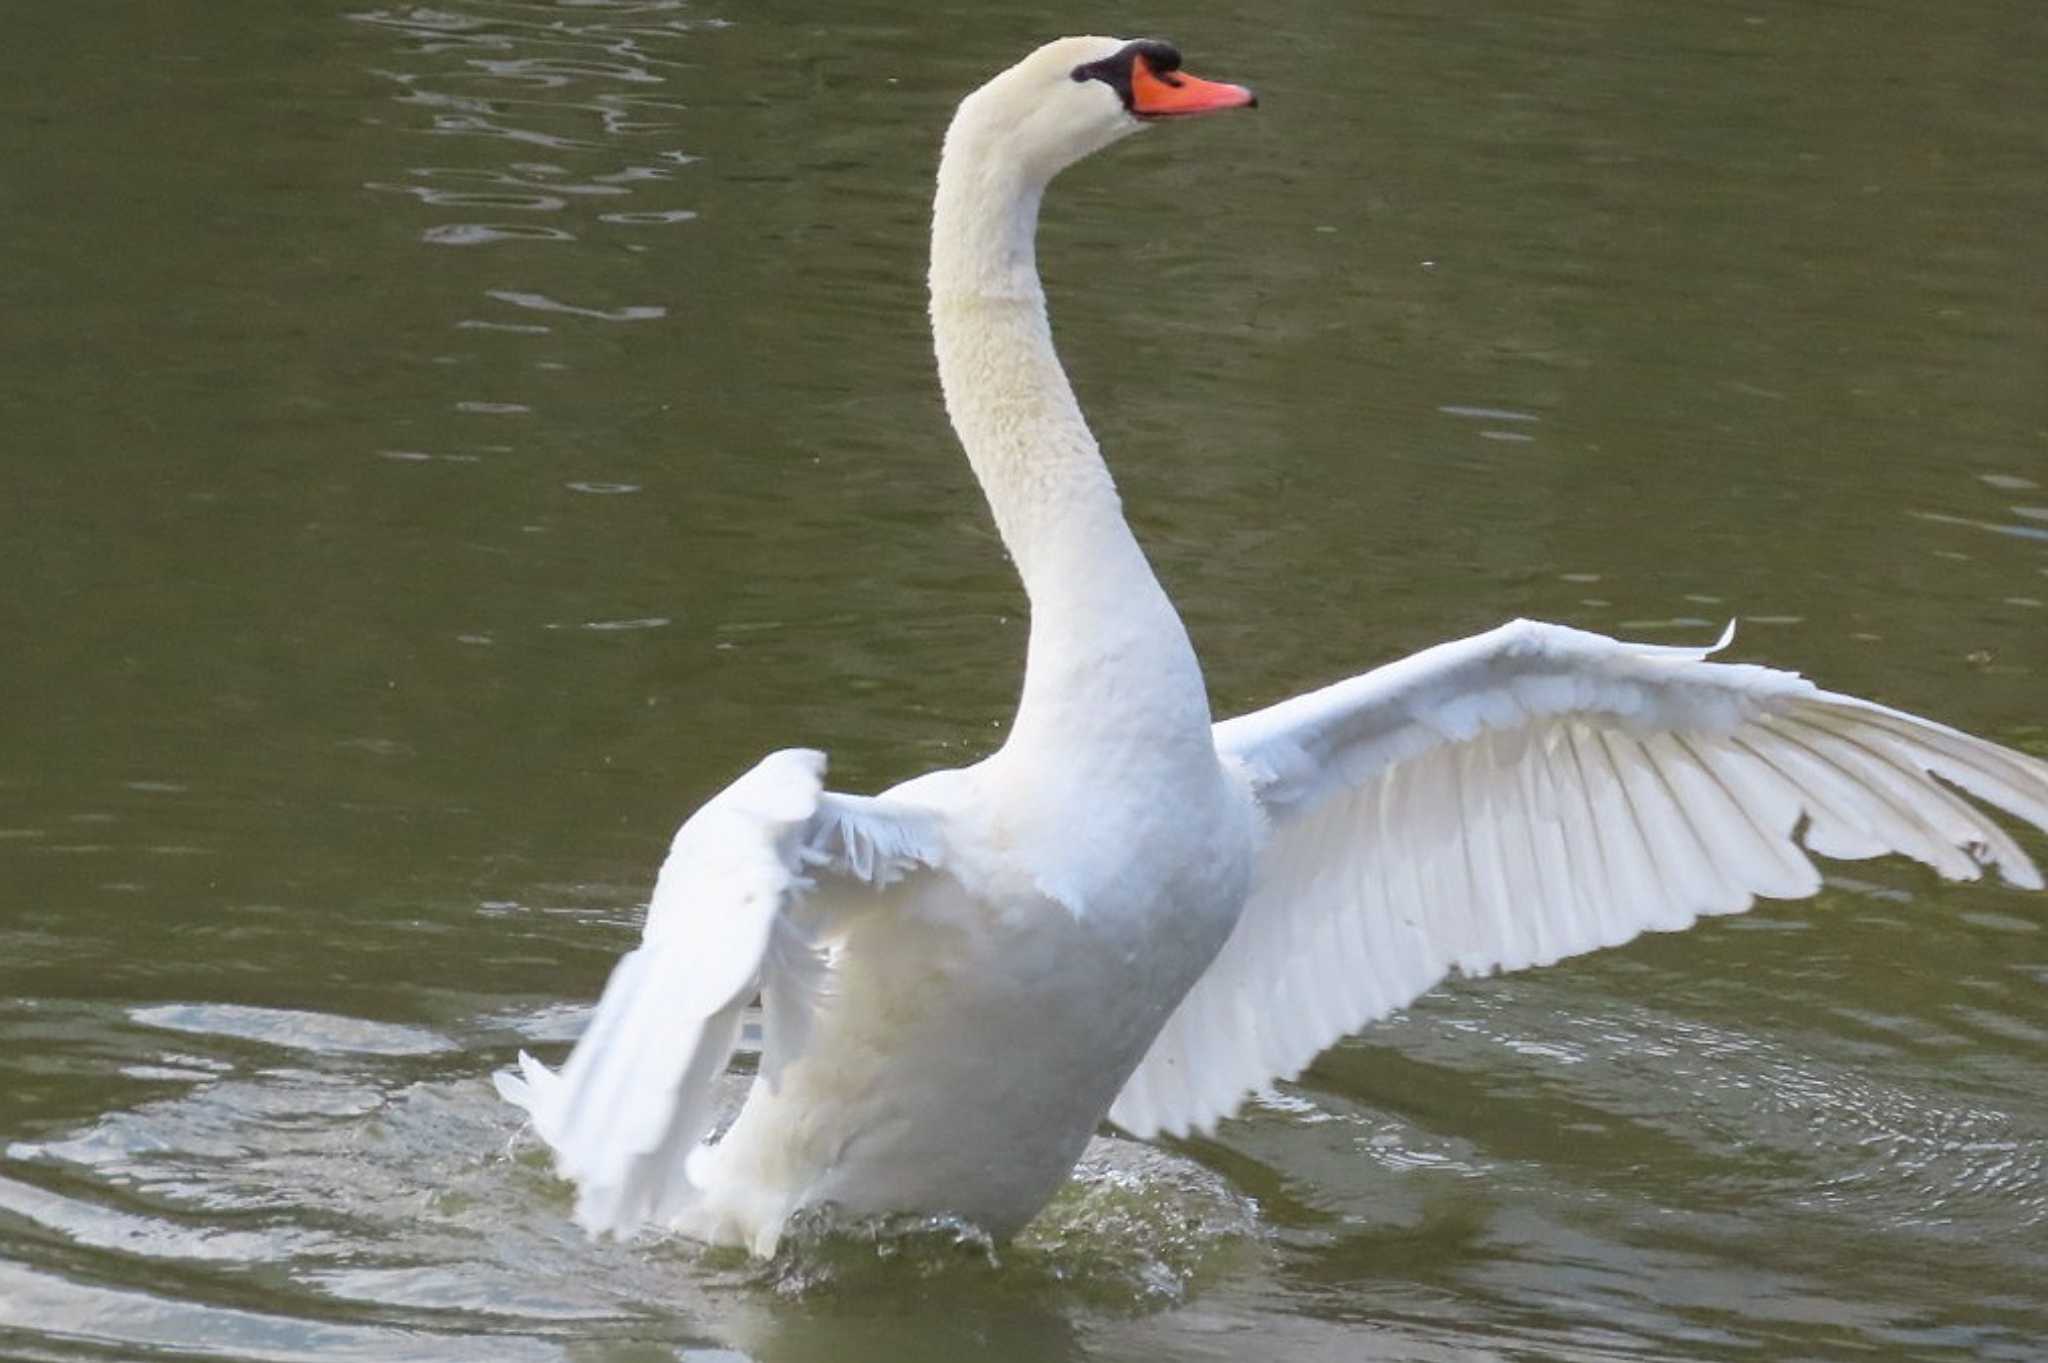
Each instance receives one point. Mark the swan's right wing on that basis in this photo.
(635, 1096)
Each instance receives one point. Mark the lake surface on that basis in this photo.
(445, 444)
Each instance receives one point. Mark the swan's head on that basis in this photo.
(1075, 96)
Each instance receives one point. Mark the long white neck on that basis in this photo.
(1109, 659)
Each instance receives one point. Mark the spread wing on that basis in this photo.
(635, 1096)
(1529, 794)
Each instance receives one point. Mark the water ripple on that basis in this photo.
(554, 122)
(657, 216)
(294, 1029)
(448, 198)
(484, 233)
(542, 303)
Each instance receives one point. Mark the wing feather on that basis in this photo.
(636, 1094)
(1531, 794)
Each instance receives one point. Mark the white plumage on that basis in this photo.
(1127, 911)
(1530, 794)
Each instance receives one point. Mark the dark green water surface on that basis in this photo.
(444, 444)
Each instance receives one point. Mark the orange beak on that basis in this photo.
(1176, 94)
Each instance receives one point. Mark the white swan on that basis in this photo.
(1128, 912)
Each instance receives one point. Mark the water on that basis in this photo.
(447, 443)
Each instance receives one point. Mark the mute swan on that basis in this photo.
(1128, 912)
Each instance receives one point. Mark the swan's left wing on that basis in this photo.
(730, 917)
(1529, 794)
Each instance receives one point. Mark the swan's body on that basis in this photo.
(1129, 911)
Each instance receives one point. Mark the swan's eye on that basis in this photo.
(1115, 69)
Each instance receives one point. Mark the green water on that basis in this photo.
(444, 444)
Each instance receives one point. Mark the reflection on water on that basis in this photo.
(596, 87)
(450, 440)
